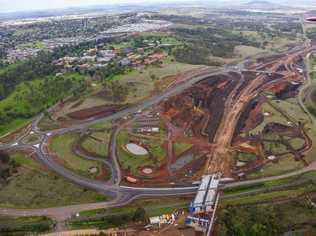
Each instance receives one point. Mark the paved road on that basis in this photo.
(121, 195)
(311, 167)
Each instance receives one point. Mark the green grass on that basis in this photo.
(296, 143)
(126, 159)
(36, 45)
(147, 204)
(105, 218)
(25, 225)
(46, 124)
(63, 147)
(131, 162)
(274, 117)
(35, 187)
(9, 68)
(275, 147)
(97, 147)
(121, 45)
(14, 125)
(292, 108)
(101, 125)
(268, 185)
(270, 196)
(181, 147)
(140, 83)
(143, 84)
(245, 157)
(313, 61)
(31, 139)
(26, 162)
(170, 40)
(283, 166)
(32, 97)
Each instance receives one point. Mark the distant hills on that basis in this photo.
(264, 5)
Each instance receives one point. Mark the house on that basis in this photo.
(92, 52)
(87, 59)
(156, 57)
(124, 62)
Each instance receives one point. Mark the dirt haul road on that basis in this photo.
(219, 158)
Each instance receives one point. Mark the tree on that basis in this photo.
(139, 214)
(4, 157)
(153, 77)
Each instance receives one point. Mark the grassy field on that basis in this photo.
(97, 142)
(291, 107)
(281, 167)
(101, 125)
(25, 225)
(291, 187)
(247, 51)
(46, 124)
(63, 145)
(131, 162)
(140, 83)
(245, 157)
(105, 218)
(34, 187)
(32, 139)
(274, 116)
(14, 125)
(181, 147)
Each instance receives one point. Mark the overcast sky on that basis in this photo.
(27, 5)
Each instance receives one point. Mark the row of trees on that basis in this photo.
(108, 221)
(26, 225)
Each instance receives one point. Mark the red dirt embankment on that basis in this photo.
(96, 112)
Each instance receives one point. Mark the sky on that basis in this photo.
(28, 5)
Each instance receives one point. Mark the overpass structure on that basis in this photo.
(202, 209)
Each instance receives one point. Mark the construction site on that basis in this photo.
(234, 125)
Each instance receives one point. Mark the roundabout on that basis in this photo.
(122, 195)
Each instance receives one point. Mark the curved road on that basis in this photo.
(121, 195)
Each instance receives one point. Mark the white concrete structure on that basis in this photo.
(202, 209)
(136, 149)
(206, 195)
